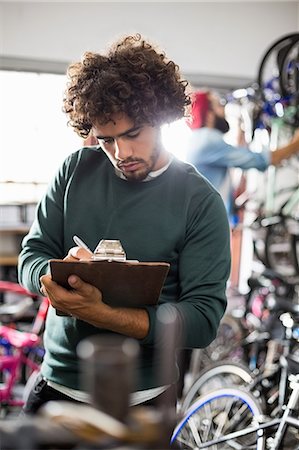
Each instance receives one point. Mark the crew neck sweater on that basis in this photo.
(177, 217)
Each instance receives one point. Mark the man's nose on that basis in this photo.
(123, 149)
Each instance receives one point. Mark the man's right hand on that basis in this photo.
(77, 254)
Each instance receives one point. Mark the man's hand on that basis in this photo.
(277, 156)
(85, 302)
(82, 301)
(82, 297)
(78, 253)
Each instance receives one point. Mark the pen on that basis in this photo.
(81, 244)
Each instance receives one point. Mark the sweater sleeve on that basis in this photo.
(204, 267)
(243, 158)
(208, 148)
(45, 238)
(222, 154)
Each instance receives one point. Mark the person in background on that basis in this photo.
(129, 188)
(212, 156)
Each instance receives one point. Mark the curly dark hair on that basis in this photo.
(134, 78)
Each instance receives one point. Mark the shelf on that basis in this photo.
(14, 229)
(9, 260)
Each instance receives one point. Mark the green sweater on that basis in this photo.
(177, 217)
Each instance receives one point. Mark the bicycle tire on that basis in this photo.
(288, 76)
(218, 375)
(289, 39)
(219, 413)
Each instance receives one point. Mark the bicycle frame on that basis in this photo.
(275, 422)
(17, 345)
(11, 365)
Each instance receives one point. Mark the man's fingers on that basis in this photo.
(77, 284)
(80, 286)
(70, 258)
(45, 282)
(69, 300)
(43, 279)
(78, 253)
(43, 291)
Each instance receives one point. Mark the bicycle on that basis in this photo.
(244, 330)
(243, 415)
(230, 418)
(263, 367)
(270, 110)
(21, 352)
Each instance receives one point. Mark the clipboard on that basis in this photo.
(122, 283)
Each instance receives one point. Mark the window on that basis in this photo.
(34, 136)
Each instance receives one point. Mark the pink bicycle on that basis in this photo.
(21, 352)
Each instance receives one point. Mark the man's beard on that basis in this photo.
(140, 175)
(221, 124)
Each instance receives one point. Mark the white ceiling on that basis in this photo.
(216, 38)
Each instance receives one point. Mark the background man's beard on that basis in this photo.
(221, 124)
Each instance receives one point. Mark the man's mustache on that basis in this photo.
(130, 160)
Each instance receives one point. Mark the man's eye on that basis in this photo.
(106, 141)
(133, 135)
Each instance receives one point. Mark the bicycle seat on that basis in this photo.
(18, 339)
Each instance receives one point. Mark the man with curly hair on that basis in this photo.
(129, 188)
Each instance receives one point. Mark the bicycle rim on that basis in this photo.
(219, 375)
(217, 414)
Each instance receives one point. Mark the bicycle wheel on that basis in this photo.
(275, 63)
(218, 375)
(217, 414)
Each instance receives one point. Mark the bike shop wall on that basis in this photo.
(207, 39)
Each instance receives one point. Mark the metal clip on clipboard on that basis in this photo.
(109, 249)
